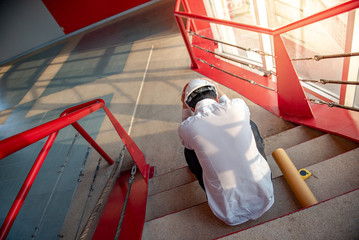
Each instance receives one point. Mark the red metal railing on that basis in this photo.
(288, 99)
(51, 129)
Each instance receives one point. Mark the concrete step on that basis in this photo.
(175, 199)
(268, 123)
(316, 222)
(333, 177)
(290, 138)
(170, 180)
(314, 151)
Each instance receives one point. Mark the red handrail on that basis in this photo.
(288, 100)
(70, 116)
(225, 22)
(330, 12)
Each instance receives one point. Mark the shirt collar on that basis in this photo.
(204, 103)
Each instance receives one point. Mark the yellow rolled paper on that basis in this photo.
(295, 181)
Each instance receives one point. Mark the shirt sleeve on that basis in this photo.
(186, 113)
(182, 136)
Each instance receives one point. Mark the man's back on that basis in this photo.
(236, 177)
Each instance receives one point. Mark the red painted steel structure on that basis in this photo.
(51, 129)
(288, 100)
(134, 218)
(72, 15)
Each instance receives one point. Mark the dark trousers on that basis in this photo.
(195, 166)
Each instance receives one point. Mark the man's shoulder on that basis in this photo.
(235, 101)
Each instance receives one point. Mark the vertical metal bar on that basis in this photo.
(177, 6)
(93, 143)
(187, 42)
(346, 61)
(190, 22)
(185, 8)
(20, 198)
(261, 14)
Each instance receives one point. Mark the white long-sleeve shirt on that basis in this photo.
(237, 178)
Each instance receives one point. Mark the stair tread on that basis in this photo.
(338, 175)
(314, 151)
(332, 178)
(175, 199)
(341, 222)
(170, 180)
(290, 138)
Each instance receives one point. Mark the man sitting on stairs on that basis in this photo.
(225, 151)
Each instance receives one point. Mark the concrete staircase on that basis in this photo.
(177, 207)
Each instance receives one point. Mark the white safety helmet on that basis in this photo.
(196, 86)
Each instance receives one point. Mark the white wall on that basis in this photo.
(25, 25)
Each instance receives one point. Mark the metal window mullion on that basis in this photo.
(350, 91)
(261, 16)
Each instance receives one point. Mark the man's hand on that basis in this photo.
(220, 93)
(184, 106)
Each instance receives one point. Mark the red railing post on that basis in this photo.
(93, 143)
(70, 116)
(185, 36)
(186, 41)
(20, 198)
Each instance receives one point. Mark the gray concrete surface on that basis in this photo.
(316, 222)
(290, 138)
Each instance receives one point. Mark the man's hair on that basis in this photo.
(202, 95)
